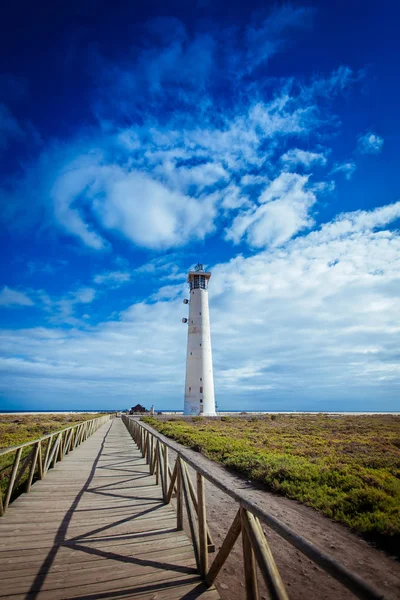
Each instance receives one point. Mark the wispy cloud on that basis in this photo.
(63, 310)
(347, 168)
(296, 156)
(283, 209)
(10, 297)
(370, 143)
(265, 37)
(112, 278)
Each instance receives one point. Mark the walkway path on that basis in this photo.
(97, 528)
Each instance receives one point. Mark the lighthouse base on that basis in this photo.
(196, 409)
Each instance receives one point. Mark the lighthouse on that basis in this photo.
(199, 384)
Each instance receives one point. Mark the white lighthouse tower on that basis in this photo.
(199, 384)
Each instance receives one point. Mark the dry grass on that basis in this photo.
(17, 429)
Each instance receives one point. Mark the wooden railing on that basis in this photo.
(35, 458)
(256, 551)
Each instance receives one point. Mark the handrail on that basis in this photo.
(154, 447)
(42, 456)
(9, 449)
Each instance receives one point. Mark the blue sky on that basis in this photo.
(137, 139)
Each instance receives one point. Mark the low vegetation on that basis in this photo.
(18, 429)
(347, 467)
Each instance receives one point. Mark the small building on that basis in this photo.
(138, 409)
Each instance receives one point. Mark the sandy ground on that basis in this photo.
(302, 578)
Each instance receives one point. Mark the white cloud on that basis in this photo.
(162, 185)
(62, 310)
(112, 278)
(178, 176)
(356, 222)
(296, 156)
(310, 323)
(84, 295)
(76, 178)
(10, 297)
(370, 143)
(283, 211)
(334, 84)
(346, 168)
(150, 215)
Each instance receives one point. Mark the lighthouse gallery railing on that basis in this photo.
(154, 448)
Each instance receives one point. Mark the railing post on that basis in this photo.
(264, 557)
(147, 447)
(202, 525)
(158, 462)
(172, 483)
(57, 449)
(179, 499)
(190, 513)
(12, 478)
(250, 568)
(151, 453)
(40, 459)
(46, 455)
(165, 489)
(61, 446)
(33, 467)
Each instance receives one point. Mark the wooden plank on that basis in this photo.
(149, 588)
(137, 567)
(163, 539)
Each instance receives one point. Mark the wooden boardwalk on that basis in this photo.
(96, 527)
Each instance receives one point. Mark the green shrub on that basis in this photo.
(347, 467)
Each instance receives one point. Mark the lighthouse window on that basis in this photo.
(190, 389)
(201, 399)
(200, 344)
(201, 390)
(198, 281)
(201, 379)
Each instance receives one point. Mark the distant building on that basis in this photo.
(199, 385)
(138, 409)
